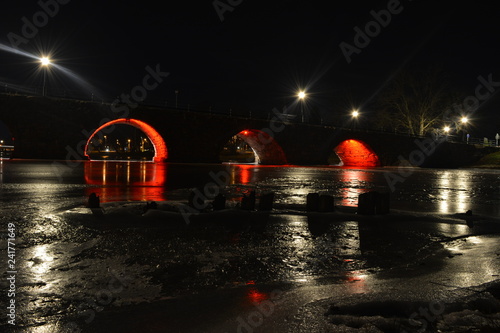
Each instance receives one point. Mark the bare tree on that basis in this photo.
(415, 102)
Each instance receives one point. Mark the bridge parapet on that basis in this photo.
(55, 129)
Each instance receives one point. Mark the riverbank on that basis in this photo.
(489, 161)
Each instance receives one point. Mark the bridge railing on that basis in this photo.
(222, 110)
(485, 142)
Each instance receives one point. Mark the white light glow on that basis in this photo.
(45, 61)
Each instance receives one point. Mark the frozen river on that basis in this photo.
(125, 272)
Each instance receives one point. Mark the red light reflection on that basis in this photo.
(355, 183)
(126, 181)
(356, 281)
(255, 296)
(245, 173)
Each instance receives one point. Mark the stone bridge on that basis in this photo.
(53, 128)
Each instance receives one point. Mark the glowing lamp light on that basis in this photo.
(45, 61)
(245, 132)
(302, 95)
(464, 120)
(355, 113)
(446, 129)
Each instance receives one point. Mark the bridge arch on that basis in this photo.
(266, 149)
(160, 147)
(356, 153)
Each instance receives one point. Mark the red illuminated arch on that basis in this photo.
(159, 145)
(265, 147)
(356, 153)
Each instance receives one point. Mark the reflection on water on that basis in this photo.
(440, 191)
(242, 174)
(41, 260)
(355, 182)
(292, 248)
(126, 181)
(356, 281)
(453, 192)
(299, 246)
(452, 229)
(254, 295)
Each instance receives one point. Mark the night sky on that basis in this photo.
(260, 55)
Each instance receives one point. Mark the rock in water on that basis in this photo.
(312, 202)
(248, 203)
(219, 202)
(266, 202)
(94, 201)
(326, 203)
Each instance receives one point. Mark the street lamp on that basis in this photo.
(464, 121)
(45, 62)
(355, 115)
(446, 131)
(302, 96)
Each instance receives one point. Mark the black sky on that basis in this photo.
(261, 54)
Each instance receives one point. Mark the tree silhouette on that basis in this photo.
(415, 102)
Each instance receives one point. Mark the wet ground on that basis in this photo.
(286, 271)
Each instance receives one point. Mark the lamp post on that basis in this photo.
(302, 96)
(45, 62)
(355, 115)
(464, 121)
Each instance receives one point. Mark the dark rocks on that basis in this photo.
(320, 203)
(219, 202)
(312, 202)
(266, 202)
(94, 201)
(326, 203)
(373, 203)
(150, 205)
(248, 202)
